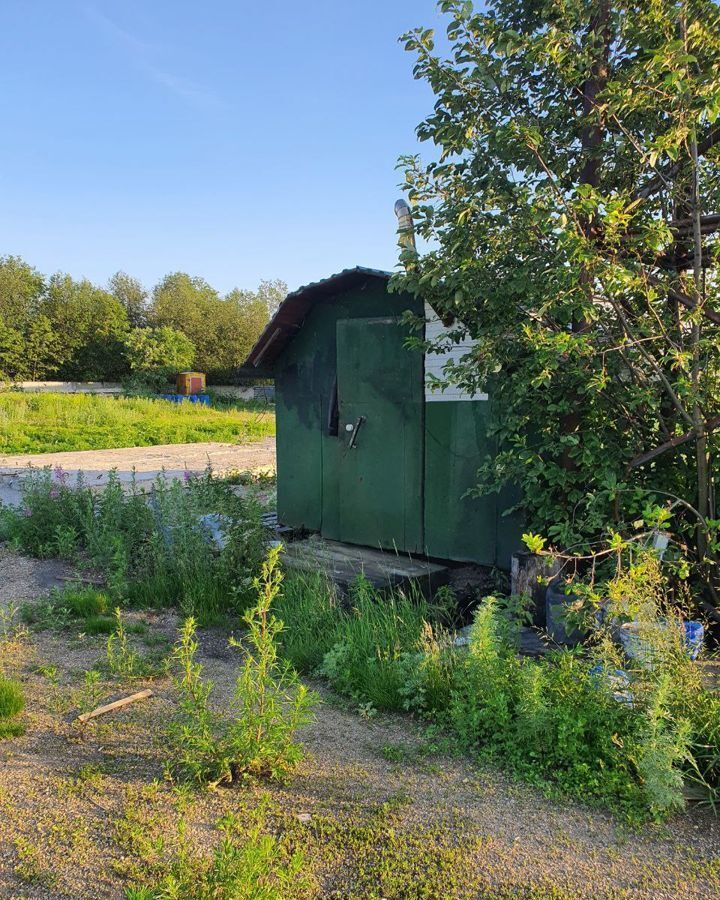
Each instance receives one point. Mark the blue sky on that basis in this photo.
(229, 139)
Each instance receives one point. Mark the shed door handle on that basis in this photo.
(358, 425)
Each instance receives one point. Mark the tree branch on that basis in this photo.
(676, 441)
(669, 172)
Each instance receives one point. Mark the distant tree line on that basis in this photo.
(68, 329)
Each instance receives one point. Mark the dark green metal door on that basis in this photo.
(380, 436)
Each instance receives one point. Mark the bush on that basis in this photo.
(153, 551)
(269, 705)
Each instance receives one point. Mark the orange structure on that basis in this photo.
(190, 383)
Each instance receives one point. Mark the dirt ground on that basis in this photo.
(141, 463)
(77, 804)
(173, 457)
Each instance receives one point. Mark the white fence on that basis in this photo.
(64, 387)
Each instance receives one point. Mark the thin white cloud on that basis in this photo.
(143, 55)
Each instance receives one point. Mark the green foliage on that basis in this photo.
(664, 747)
(534, 542)
(270, 703)
(122, 659)
(48, 423)
(20, 287)
(83, 607)
(11, 351)
(561, 155)
(84, 602)
(132, 296)
(370, 644)
(197, 754)
(308, 608)
(90, 327)
(481, 710)
(76, 330)
(566, 721)
(152, 553)
(222, 330)
(247, 864)
(12, 703)
(161, 350)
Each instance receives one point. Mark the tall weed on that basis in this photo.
(366, 660)
(152, 550)
(256, 737)
(310, 612)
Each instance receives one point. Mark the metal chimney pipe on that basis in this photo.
(406, 229)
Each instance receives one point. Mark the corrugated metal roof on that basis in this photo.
(291, 313)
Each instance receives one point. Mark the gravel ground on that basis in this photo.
(67, 796)
(22, 578)
(143, 464)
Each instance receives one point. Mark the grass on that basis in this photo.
(12, 703)
(48, 423)
(152, 552)
(364, 854)
(555, 722)
(247, 863)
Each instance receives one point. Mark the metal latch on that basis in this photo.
(358, 425)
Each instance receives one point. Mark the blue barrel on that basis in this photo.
(694, 638)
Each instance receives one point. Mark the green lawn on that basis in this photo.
(46, 423)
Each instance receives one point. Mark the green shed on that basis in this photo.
(367, 452)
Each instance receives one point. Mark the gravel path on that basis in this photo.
(145, 462)
(23, 579)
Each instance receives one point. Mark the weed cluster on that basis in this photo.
(12, 703)
(195, 546)
(256, 737)
(573, 720)
(248, 862)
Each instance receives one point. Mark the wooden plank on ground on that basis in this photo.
(116, 704)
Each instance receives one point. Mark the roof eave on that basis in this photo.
(292, 312)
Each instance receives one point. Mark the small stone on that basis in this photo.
(304, 818)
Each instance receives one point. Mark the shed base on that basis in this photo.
(344, 562)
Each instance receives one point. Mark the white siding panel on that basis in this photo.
(435, 362)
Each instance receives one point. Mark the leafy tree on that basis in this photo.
(222, 330)
(571, 209)
(188, 305)
(272, 292)
(11, 351)
(247, 315)
(21, 288)
(161, 350)
(132, 295)
(91, 326)
(41, 349)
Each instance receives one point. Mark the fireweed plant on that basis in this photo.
(152, 549)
